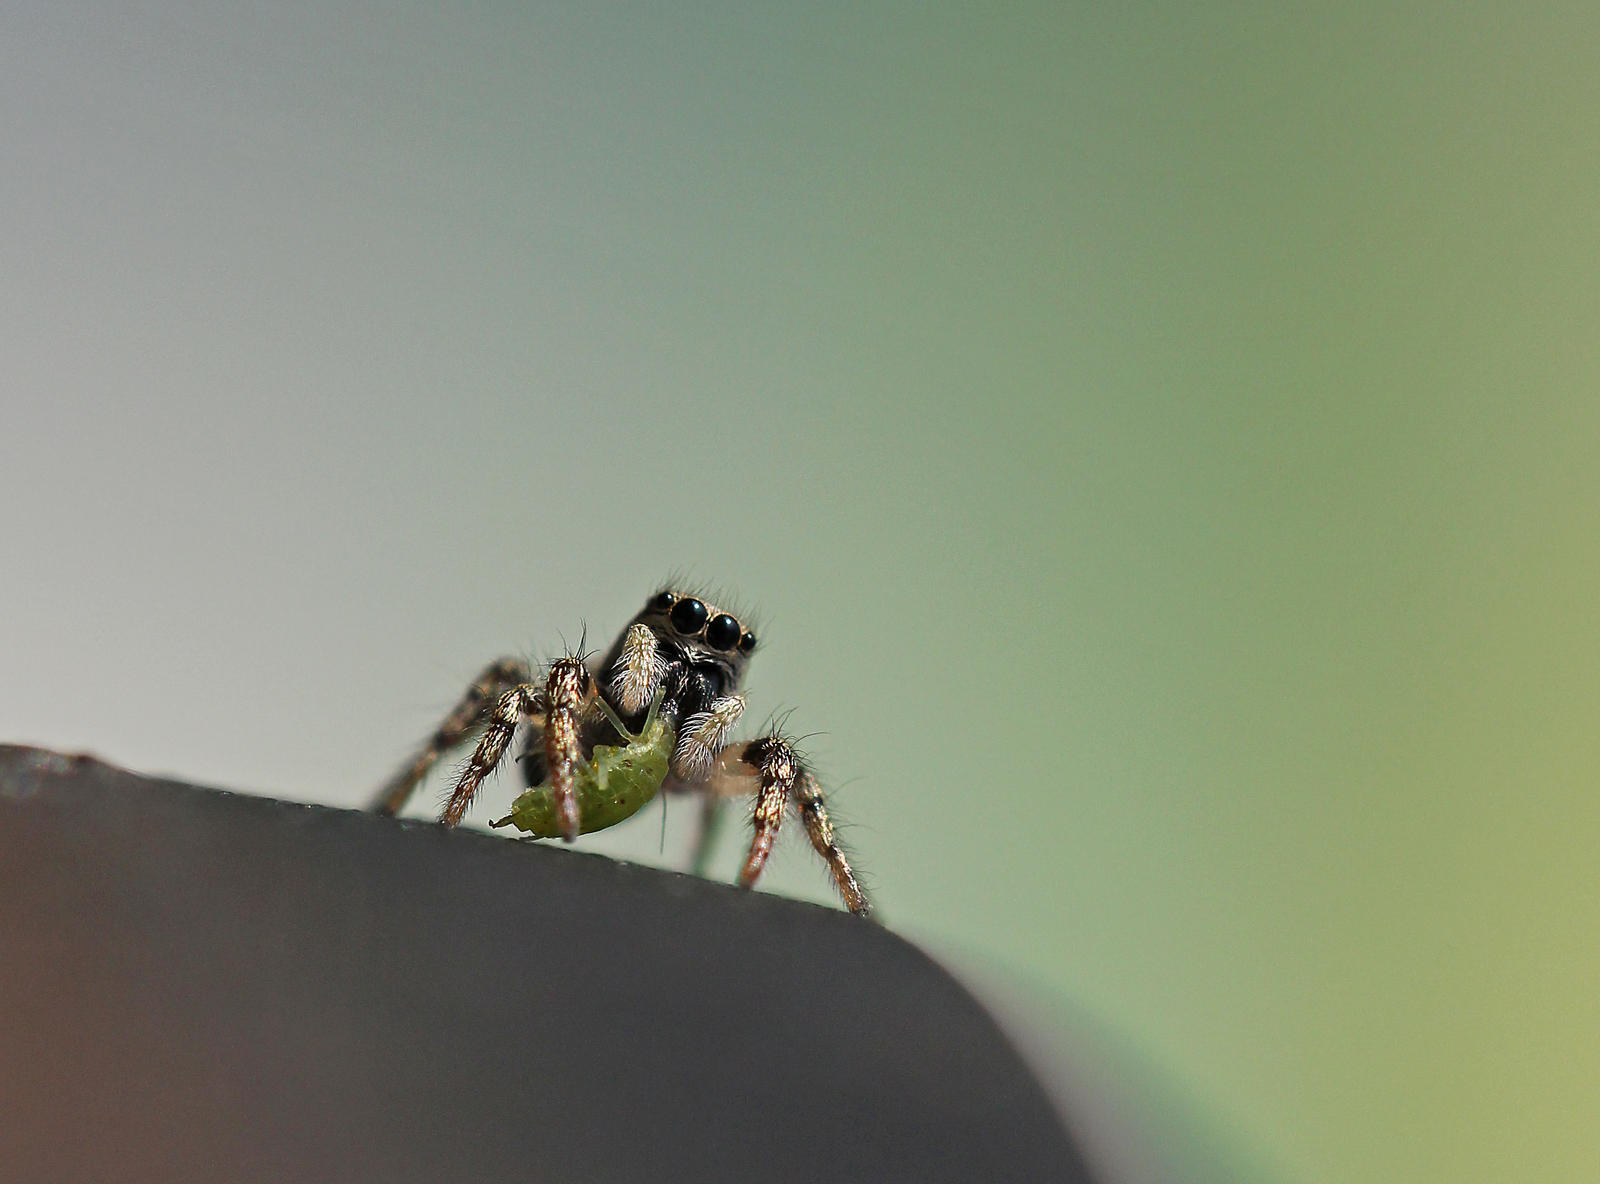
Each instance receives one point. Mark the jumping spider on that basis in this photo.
(604, 736)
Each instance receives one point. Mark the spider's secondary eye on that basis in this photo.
(688, 616)
(661, 601)
(723, 632)
(747, 643)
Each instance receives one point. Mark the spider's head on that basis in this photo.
(705, 634)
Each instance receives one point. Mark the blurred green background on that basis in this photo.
(1161, 441)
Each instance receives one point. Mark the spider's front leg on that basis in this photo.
(497, 678)
(569, 692)
(557, 711)
(774, 772)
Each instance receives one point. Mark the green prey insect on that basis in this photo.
(615, 783)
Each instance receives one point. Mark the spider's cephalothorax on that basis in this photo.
(603, 736)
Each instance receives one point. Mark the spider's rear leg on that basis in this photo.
(819, 829)
(771, 767)
(497, 678)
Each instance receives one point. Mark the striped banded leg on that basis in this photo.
(780, 776)
(556, 710)
(569, 691)
(517, 704)
(819, 829)
(496, 679)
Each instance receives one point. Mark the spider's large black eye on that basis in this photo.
(661, 601)
(722, 633)
(688, 616)
(747, 643)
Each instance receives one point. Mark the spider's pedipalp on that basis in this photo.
(638, 671)
(701, 738)
(496, 678)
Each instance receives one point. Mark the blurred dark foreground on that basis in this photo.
(203, 986)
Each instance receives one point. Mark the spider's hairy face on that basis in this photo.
(698, 634)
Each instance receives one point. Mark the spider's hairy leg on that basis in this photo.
(521, 702)
(701, 736)
(819, 829)
(639, 670)
(496, 678)
(569, 692)
(777, 774)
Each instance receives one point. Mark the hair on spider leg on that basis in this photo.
(583, 653)
(776, 725)
(458, 770)
(796, 741)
